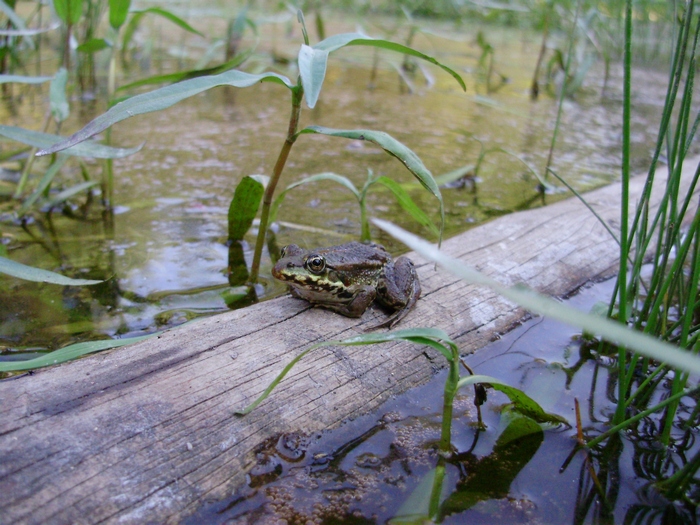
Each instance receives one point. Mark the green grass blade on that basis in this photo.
(170, 16)
(164, 98)
(244, 206)
(610, 330)
(68, 353)
(45, 182)
(410, 207)
(312, 69)
(71, 192)
(38, 139)
(336, 42)
(29, 273)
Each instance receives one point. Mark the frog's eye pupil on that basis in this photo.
(316, 263)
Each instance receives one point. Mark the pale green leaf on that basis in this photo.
(20, 79)
(312, 70)
(29, 273)
(57, 96)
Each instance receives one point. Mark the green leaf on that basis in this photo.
(164, 98)
(170, 16)
(312, 70)
(244, 205)
(336, 42)
(29, 273)
(68, 353)
(19, 79)
(93, 45)
(118, 10)
(69, 11)
(91, 149)
(392, 146)
(57, 96)
(43, 185)
(408, 205)
(70, 192)
(612, 331)
(193, 73)
(343, 181)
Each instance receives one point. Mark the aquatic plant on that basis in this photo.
(312, 61)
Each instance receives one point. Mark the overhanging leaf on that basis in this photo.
(610, 330)
(29, 273)
(38, 139)
(164, 98)
(395, 148)
(312, 70)
(68, 353)
(336, 42)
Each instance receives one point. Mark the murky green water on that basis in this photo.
(164, 253)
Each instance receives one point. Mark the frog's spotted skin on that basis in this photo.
(347, 278)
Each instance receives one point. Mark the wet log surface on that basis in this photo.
(146, 433)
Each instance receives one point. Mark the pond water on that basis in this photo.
(373, 469)
(163, 253)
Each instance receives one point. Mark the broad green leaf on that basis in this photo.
(343, 181)
(244, 205)
(70, 192)
(336, 42)
(29, 273)
(23, 80)
(38, 139)
(68, 353)
(164, 98)
(69, 11)
(118, 10)
(93, 45)
(392, 146)
(312, 70)
(408, 205)
(57, 96)
(612, 331)
(43, 184)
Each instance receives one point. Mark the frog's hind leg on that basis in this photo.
(399, 289)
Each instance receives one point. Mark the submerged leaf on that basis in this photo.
(29, 273)
(164, 98)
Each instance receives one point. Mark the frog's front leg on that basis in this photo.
(398, 289)
(357, 304)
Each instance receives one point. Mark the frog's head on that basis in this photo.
(306, 270)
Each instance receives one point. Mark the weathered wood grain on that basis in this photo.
(145, 433)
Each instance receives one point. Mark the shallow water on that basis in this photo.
(366, 471)
(164, 254)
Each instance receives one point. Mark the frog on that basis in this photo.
(349, 277)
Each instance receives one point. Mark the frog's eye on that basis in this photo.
(315, 263)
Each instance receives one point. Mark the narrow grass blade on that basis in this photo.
(71, 192)
(336, 42)
(169, 16)
(45, 182)
(534, 302)
(38, 139)
(29, 273)
(244, 205)
(68, 353)
(410, 207)
(164, 98)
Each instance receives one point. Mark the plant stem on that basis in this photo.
(451, 386)
(297, 94)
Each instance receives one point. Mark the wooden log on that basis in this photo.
(146, 433)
